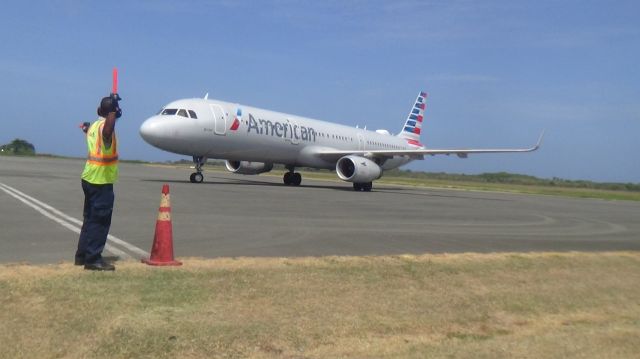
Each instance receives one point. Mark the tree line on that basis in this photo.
(18, 147)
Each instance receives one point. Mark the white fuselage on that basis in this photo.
(230, 131)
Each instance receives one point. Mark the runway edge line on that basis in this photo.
(64, 220)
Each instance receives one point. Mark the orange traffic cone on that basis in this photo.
(162, 251)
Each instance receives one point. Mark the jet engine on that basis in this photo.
(248, 167)
(357, 169)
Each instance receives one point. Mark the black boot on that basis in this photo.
(100, 266)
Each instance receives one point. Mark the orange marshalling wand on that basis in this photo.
(114, 89)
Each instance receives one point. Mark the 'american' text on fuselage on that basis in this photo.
(284, 130)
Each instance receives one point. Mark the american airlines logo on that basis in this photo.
(414, 122)
(236, 121)
(285, 130)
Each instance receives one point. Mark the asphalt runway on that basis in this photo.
(233, 215)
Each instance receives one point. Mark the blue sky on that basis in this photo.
(497, 72)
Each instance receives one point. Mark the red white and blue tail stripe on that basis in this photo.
(413, 125)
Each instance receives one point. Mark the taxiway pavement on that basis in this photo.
(233, 215)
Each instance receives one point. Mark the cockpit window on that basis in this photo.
(180, 112)
(169, 111)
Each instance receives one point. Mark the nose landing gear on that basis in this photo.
(197, 176)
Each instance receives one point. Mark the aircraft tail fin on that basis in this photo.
(413, 124)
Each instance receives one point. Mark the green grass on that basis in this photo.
(520, 188)
(493, 187)
(464, 305)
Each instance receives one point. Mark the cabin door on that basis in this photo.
(220, 120)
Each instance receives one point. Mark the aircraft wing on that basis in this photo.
(420, 153)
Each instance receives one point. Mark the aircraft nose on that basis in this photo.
(152, 130)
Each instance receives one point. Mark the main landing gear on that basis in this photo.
(366, 187)
(197, 176)
(292, 178)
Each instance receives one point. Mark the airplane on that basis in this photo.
(251, 140)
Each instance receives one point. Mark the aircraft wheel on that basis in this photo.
(287, 178)
(296, 179)
(357, 187)
(196, 177)
(367, 186)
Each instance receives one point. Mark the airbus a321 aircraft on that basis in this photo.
(251, 140)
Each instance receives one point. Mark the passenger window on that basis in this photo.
(169, 111)
(183, 113)
(193, 114)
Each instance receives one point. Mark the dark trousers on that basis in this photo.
(98, 207)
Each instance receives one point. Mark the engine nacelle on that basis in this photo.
(357, 169)
(248, 167)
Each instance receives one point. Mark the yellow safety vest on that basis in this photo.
(102, 163)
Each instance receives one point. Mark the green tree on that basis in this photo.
(18, 147)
